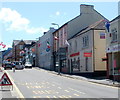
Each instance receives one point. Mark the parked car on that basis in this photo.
(18, 65)
(4, 62)
(28, 65)
(8, 65)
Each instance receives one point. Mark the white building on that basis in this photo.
(46, 50)
(113, 48)
(119, 8)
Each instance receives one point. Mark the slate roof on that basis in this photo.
(99, 25)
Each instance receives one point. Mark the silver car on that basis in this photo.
(18, 65)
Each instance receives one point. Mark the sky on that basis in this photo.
(28, 20)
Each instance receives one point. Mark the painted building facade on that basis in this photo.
(60, 48)
(87, 49)
(88, 15)
(46, 50)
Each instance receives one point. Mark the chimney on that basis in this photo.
(45, 33)
(86, 9)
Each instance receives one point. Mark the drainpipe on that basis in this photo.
(93, 53)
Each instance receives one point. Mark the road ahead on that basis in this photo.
(35, 83)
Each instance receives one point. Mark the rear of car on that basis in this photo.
(28, 65)
(8, 66)
(18, 65)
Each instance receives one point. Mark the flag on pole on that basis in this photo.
(66, 43)
(56, 38)
(48, 44)
(107, 25)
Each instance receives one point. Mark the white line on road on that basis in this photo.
(16, 88)
(77, 91)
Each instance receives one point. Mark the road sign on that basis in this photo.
(4, 81)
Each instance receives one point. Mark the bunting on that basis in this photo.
(56, 38)
(39, 44)
(3, 45)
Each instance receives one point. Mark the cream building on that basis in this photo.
(113, 48)
(87, 49)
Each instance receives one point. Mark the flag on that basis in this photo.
(39, 44)
(56, 38)
(102, 35)
(22, 52)
(48, 44)
(3, 45)
(66, 43)
(107, 25)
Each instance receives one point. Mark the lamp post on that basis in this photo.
(55, 24)
(58, 52)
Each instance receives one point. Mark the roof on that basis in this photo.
(78, 17)
(29, 41)
(99, 25)
(16, 42)
(118, 17)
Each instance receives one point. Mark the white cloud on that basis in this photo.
(16, 22)
(57, 13)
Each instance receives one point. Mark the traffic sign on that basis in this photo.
(4, 81)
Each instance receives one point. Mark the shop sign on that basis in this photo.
(114, 48)
(87, 54)
(75, 54)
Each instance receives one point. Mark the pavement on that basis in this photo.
(102, 81)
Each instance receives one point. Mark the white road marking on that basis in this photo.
(15, 87)
(77, 91)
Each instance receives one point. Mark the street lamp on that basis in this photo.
(58, 52)
(55, 24)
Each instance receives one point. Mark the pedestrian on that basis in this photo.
(13, 67)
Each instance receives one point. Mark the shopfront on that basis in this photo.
(114, 61)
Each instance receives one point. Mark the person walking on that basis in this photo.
(13, 67)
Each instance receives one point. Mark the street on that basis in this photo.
(40, 83)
